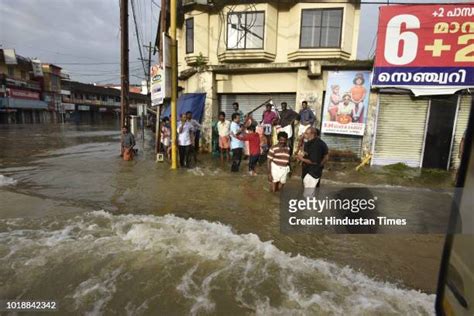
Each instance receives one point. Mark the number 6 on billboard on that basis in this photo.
(394, 36)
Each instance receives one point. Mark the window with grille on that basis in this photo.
(245, 30)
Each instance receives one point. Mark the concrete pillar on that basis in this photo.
(310, 90)
(369, 133)
(204, 82)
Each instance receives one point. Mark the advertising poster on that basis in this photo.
(346, 102)
(37, 68)
(428, 49)
(156, 80)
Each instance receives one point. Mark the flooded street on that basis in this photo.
(101, 235)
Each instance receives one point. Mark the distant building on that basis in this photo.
(34, 92)
(20, 90)
(132, 88)
(52, 86)
(84, 102)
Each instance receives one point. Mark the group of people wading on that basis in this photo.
(274, 139)
(279, 138)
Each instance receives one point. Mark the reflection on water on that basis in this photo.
(136, 256)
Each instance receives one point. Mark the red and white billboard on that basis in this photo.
(23, 94)
(426, 48)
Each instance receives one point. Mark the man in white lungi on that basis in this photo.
(307, 119)
(314, 156)
(287, 119)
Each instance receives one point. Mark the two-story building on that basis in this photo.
(248, 53)
(82, 102)
(52, 86)
(20, 90)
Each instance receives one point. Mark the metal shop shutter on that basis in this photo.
(462, 117)
(338, 142)
(248, 102)
(400, 130)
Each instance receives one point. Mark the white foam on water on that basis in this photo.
(382, 186)
(5, 181)
(18, 169)
(201, 172)
(207, 264)
(99, 290)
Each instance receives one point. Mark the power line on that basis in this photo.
(88, 64)
(54, 52)
(138, 37)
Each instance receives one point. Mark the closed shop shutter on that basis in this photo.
(400, 130)
(248, 102)
(461, 125)
(344, 143)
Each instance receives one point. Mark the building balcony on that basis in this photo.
(246, 55)
(66, 99)
(304, 54)
(11, 82)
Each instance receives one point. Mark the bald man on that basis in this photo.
(314, 157)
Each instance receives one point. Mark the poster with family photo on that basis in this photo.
(346, 102)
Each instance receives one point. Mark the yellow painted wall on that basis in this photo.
(281, 82)
(16, 70)
(282, 31)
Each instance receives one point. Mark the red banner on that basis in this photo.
(425, 45)
(23, 94)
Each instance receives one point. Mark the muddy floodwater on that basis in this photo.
(103, 236)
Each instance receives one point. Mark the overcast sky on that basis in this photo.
(82, 36)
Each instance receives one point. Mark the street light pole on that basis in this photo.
(174, 84)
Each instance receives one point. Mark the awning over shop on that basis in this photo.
(23, 104)
(193, 102)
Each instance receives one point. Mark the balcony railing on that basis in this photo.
(90, 102)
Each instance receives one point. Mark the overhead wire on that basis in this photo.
(138, 37)
(90, 64)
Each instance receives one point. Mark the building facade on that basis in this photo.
(87, 103)
(249, 53)
(421, 132)
(20, 91)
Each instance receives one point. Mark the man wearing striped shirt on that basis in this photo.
(279, 162)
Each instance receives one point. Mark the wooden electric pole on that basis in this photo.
(124, 66)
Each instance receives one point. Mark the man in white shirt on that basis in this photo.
(236, 145)
(184, 141)
(223, 129)
(195, 128)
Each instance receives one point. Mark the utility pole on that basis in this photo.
(147, 75)
(148, 88)
(161, 30)
(124, 66)
(174, 84)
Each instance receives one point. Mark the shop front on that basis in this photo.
(249, 102)
(422, 126)
(22, 106)
(422, 132)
